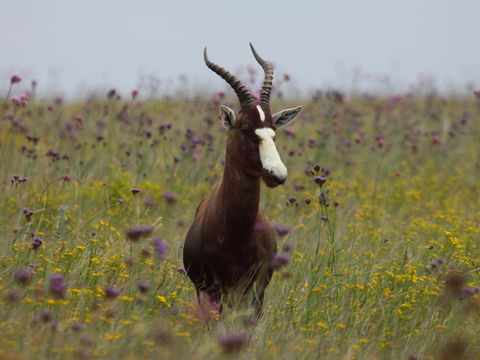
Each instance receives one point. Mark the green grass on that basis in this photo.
(360, 283)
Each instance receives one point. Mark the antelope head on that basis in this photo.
(251, 131)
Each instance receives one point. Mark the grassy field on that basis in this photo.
(384, 257)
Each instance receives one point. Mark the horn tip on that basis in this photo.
(205, 56)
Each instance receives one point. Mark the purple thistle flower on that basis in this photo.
(170, 197)
(12, 296)
(135, 233)
(320, 180)
(121, 201)
(288, 132)
(77, 326)
(282, 230)
(111, 292)
(86, 340)
(307, 201)
(58, 286)
(145, 252)
(143, 286)
(78, 118)
(15, 79)
(279, 260)
(312, 143)
(182, 270)
(436, 263)
(16, 100)
(468, 292)
(298, 187)
(23, 276)
(24, 98)
(28, 214)
(111, 94)
(160, 247)
(292, 199)
(135, 191)
(149, 202)
(37, 242)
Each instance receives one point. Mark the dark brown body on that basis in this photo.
(230, 245)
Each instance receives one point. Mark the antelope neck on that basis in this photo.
(240, 199)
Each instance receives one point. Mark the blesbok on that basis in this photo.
(229, 246)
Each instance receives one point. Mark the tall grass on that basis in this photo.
(384, 255)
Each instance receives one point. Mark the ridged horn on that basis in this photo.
(267, 82)
(242, 93)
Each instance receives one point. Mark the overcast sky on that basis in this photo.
(75, 46)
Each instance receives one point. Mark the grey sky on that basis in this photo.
(74, 46)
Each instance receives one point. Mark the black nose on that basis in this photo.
(279, 181)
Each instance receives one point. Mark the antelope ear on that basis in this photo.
(286, 116)
(227, 116)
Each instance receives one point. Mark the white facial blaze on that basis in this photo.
(261, 113)
(269, 155)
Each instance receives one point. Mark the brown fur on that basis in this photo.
(229, 246)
